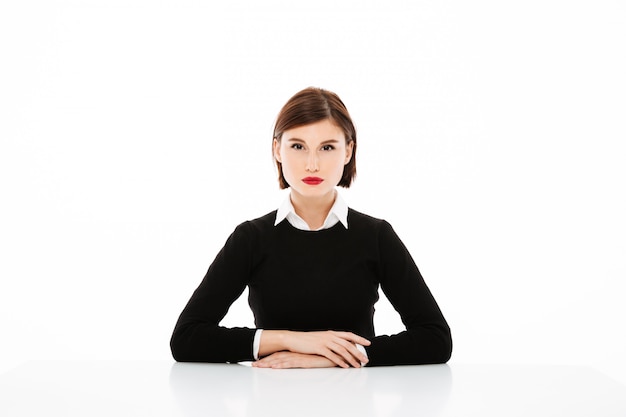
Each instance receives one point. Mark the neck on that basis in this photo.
(313, 210)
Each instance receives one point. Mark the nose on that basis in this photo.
(312, 163)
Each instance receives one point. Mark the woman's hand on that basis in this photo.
(338, 347)
(285, 359)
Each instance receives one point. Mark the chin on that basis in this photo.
(314, 192)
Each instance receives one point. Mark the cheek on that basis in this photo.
(287, 160)
(289, 166)
(338, 161)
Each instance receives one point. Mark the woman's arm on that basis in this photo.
(427, 338)
(197, 336)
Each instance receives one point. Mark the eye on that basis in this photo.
(297, 146)
(328, 147)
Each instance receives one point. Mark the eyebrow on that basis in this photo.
(303, 141)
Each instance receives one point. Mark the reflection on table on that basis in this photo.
(232, 390)
(164, 388)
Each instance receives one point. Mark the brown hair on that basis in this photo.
(313, 105)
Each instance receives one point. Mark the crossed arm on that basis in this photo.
(198, 337)
(290, 349)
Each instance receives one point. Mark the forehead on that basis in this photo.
(322, 131)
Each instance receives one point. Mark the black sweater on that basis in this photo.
(313, 280)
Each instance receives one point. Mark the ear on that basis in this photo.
(276, 147)
(349, 147)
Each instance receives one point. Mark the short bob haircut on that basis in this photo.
(313, 105)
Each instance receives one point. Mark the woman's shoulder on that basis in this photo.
(362, 219)
(265, 220)
(252, 232)
(258, 225)
(364, 223)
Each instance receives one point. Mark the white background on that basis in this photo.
(135, 135)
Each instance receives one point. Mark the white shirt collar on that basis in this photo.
(338, 213)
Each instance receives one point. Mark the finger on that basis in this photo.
(267, 363)
(283, 364)
(353, 350)
(353, 338)
(286, 361)
(336, 359)
(345, 354)
(353, 358)
(260, 364)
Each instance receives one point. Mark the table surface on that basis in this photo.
(164, 388)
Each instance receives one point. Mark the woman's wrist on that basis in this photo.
(273, 341)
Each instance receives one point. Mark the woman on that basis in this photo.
(313, 267)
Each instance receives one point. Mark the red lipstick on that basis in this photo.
(312, 180)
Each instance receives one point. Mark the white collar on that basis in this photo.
(338, 213)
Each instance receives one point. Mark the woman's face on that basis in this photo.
(313, 157)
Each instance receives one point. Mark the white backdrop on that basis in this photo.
(135, 135)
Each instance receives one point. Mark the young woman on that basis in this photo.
(313, 267)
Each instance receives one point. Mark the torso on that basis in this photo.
(313, 280)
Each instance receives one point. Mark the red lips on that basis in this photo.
(312, 180)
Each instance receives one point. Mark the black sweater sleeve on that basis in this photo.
(197, 336)
(427, 337)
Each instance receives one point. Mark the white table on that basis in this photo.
(144, 388)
